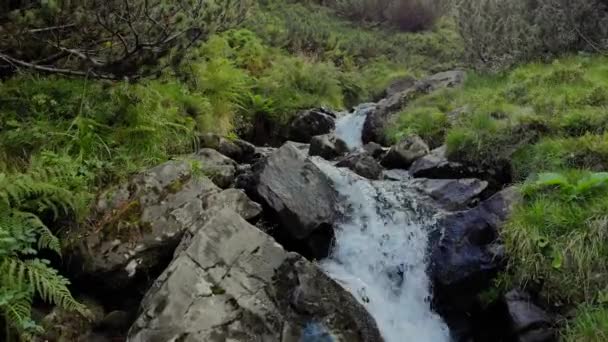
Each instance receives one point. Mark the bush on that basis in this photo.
(498, 33)
(107, 39)
(408, 15)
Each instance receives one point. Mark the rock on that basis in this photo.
(221, 169)
(310, 123)
(399, 85)
(64, 325)
(362, 164)
(297, 191)
(327, 146)
(236, 149)
(437, 165)
(137, 225)
(375, 150)
(377, 120)
(452, 194)
(406, 152)
(529, 323)
(465, 253)
(234, 283)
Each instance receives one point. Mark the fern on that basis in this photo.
(22, 234)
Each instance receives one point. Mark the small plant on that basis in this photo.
(22, 234)
(589, 325)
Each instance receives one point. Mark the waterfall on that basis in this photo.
(380, 255)
(350, 125)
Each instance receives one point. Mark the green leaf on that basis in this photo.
(558, 260)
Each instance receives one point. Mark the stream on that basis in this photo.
(380, 251)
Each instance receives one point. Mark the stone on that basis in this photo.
(234, 283)
(310, 123)
(65, 325)
(297, 191)
(406, 152)
(377, 120)
(375, 150)
(528, 322)
(399, 85)
(137, 225)
(465, 250)
(327, 146)
(362, 164)
(236, 149)
(452, 194)
(221, 169)
(437, 165)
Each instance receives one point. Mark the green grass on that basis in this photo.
(589, 325)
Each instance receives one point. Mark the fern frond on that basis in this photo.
(51, 286)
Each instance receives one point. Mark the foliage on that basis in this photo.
(22, 234)
(407, 15)
(498, 33)
(107, 39)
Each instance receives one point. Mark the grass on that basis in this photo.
(590, 325)
(548, 123)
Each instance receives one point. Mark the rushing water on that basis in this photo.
(350, 125)
(380, 252)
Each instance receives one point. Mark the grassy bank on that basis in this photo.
(548, 122)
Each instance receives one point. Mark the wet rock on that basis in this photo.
(300, 195)
(221, 169)
(452, 194)
(234, 283)
(137, 225)
(311, 123)
(327, 146)
(378, 119)
(529, 323)
(465, 253)
(375, 150)
(437, 165)
(362, 164)
(406, 152)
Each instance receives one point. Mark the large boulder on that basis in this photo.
(297, 191)
(377, 120)
(406, 152)
(327, 146)
(362, 164)
(218, 167)
(137, 225)
(232, 282)
(452, 194)
(236, 149)
(465, 252)
(310, 123)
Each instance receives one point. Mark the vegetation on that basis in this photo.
(108, 39)
(92, 94)
(545, 123)
(498, 34)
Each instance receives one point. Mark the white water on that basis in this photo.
(350, 125)
(380, 252)
(380, 256)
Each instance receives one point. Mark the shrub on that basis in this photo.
(498, 33)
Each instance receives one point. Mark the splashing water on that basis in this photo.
(380, 256)
(350, 126)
